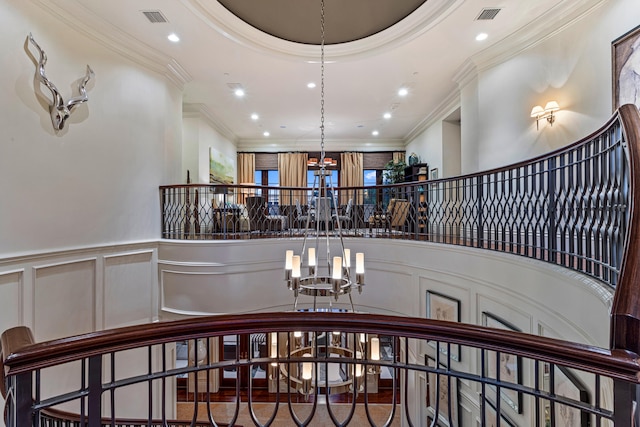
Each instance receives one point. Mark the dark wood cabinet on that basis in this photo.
(417, 172)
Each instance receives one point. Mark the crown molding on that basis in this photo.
(423, 19)
(546, 26)
(78, 17)
(451, 102)
(465, 73)
(200, 111)
(259, 145)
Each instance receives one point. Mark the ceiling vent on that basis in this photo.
(488, 14)
(155, 16)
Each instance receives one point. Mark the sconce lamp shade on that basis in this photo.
(551, 106)
(537, 111)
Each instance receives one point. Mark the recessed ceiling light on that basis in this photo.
(266, 133)
(375, 133)
(482, 36)
(403, 91)
(173, 37)
(254, 116)
(239, 92)
(387, 115)
(311, 85)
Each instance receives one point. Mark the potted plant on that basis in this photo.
(394, 172)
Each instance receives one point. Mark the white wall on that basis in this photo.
(217, 277)
(96, 181)
(200, 277)
(428, 145)
(80, 217)
(451, 147)
(199, 135)
(572, 67)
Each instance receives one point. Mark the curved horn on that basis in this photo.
(57, 98)
(82, 89)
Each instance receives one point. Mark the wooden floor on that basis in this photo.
(384, 396)
(223, 406)
(282, 415)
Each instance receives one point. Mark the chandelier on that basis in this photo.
(339, 278)
(318, 273)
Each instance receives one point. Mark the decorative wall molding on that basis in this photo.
(45, 275)
(375, 144)
(553, 21)
(200, 111)
(417, 23)
(78, 17)
(5, 282)
(450, 103)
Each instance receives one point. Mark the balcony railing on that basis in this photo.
(555, 380)
(574, 207)
(569, 207)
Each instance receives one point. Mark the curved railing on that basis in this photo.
(413, 359)
(574, 207)
(569, 207)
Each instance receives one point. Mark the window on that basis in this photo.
(267, 177)
(372, 177)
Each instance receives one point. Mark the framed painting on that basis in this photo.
(442, 307)
(434, 173)
(442, 395)
(625, 57)
(491, 416)
(567, 384)
(507, 367)
(220, 168)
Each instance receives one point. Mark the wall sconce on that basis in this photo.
(540, 113)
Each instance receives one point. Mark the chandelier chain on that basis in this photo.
(322, 83)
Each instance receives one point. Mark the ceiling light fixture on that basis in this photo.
(482, 36)
(239, 92)
(403, 91)
(173, 37)
(254, 116)
(338, 278)
(387, 115)
(266, 133)
(375, 133)
(311, 85)
(316, 273)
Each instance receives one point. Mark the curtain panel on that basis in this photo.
(246, 173)
(398, 156)
(351, 175)
(292, 172)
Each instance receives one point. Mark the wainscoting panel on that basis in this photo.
(12, 296)
(128, 289)
(64, 299)
(213, 292)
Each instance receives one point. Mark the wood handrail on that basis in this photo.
(625, 312)
(618, 364)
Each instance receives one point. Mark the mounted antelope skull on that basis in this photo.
(59, 110)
